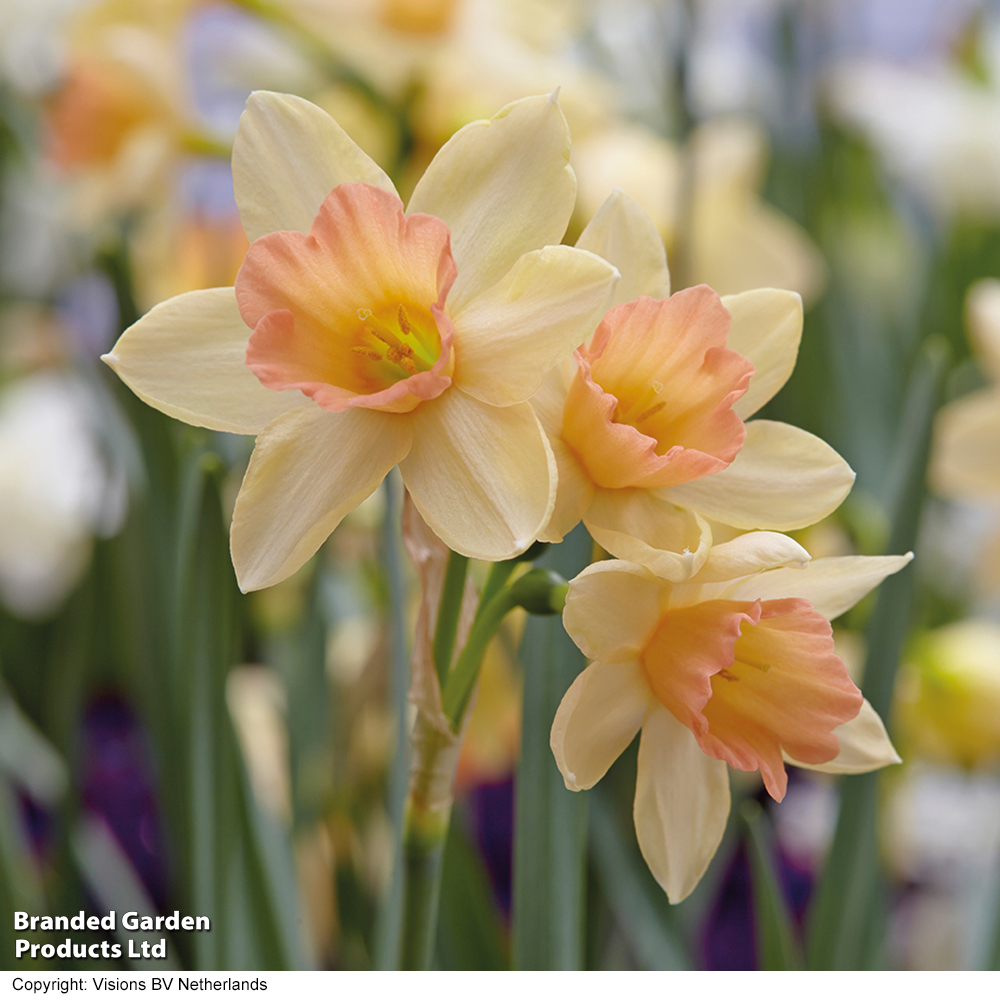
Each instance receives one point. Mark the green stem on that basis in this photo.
(499, 574)
(463, 678)
(434, 753)
(428, 811)
(449, 611)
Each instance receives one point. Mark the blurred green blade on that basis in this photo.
(20, 883)
(202, 613)
(638, 904)
(550, 831)
(388, 922)
(111, 878)
(470, 934)
(234, 851)
(28, 757)
(846, 915)
(777, 949)
(271, 880)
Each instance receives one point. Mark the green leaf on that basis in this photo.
(20, 883)
(470, 934)
(846, 919)
(777, 948)
(550, 832)
(389, 918)
(638, 904)
(113, 882)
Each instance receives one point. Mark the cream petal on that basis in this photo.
(611, 610)
(310, 468)
(766, 330)
(681, 804)
(623, 234)
(639, 526)
(549, 400)
(597, 720)
(186, 357)
(483, 477)
(504, 187)
(573, 496)
(288, 155)
(509, 337)
(783, 478)
(966, 460)
(864, 746)
(831, 585)
(754, 552)
(982, 310)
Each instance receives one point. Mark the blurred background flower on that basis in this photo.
(166, 742)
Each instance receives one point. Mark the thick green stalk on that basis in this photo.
(434, 751)
(434, 756)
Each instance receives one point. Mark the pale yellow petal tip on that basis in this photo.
(554, 96)
(111, 360)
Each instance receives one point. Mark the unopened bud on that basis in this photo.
(540, 592)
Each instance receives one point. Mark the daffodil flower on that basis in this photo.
(734, 240)
(733, 667)
(648, 425)
(966, 460)
(359, 337)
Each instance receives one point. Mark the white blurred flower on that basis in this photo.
(935, 130)
(56, 491)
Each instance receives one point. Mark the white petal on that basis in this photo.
(783, 478)
(504, 187)
(624, 235)
(310, 468)
(754, 552)
(186, 357)
(597, 720)
(483, 477)
(831, 585)
(611, 610)
(864, 746)
(766, 330)
(639, 526)
(288, 155)
(681, 804)
(509, 337)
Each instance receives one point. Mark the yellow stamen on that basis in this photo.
(404, 321)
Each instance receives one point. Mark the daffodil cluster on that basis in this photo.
(521, 386)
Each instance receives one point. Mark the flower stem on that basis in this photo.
(449, 611)
(463, 678)
(435, 750)
(434, 757)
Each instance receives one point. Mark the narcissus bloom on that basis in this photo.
(735, 240)
(734, 667)
(359, 337)
(949, 694)
(648, 425)
(966, 461)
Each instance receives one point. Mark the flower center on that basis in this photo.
(352, 314)
(394, 344)
(651, 403)
(751, 680)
